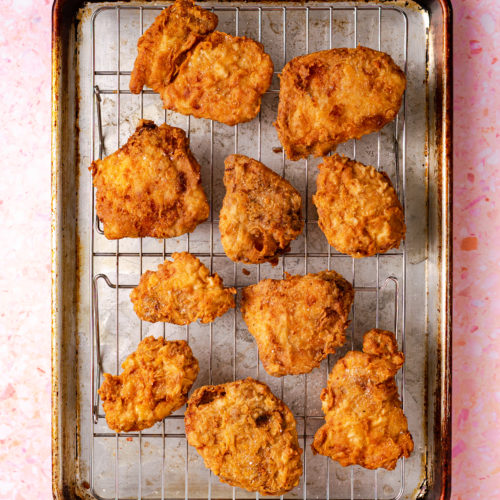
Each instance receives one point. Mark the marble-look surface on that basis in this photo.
(25, 465)
(476, 273)
(25, 461)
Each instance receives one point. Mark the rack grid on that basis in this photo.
(305, 253)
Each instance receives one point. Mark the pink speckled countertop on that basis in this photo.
(25, 463)
(476, 273)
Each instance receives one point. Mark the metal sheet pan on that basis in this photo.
(407, 290)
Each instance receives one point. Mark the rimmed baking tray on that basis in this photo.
(407, 290)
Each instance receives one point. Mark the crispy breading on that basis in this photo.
(365, 424)
(297, 321)
(331, 96)
(151, 186)
(181, 292)
(261, 212)
(222, 78)
(245, 435)
(358, 209)
(155, 381)
(163, 47)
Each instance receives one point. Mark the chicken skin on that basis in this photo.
(261, 212)
(222, 78)
(365, 424)
(331, 96)
(151, 186)
(164, 45)
(155, 381)
(358, 209)
(246, 436)
(181, 292)
(297, 321)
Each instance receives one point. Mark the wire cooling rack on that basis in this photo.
(162, 465)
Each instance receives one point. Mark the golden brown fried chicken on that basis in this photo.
(222, 78)
(181, 292)
(245, 435)
(358, 209)
(155, 381)
(163, 47)
(331, 96)
(151, 186)
(261, 212)
(365, 424)
(297, 321)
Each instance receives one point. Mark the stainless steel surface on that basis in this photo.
(402, 290)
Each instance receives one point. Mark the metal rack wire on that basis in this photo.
(97, 139)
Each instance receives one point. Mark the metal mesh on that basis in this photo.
(379, 281)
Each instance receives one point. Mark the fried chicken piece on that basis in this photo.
(358, 209)
(222, 79)
(163, 47)
(155, 381)
(297, 321)
(181, 292)
(151, 186)
(331, 96)
(261, 212)
(245, 435)
(365, 424)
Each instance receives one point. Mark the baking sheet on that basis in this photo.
(158, 463)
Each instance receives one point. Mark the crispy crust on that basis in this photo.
(365, 424)
(181, 292)
(358, 209)
(261, 212)
(297, 321)
(246, 436)
(155, 381)
(222, 79)
(163, 47)
(331, 96)
(151, 186)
